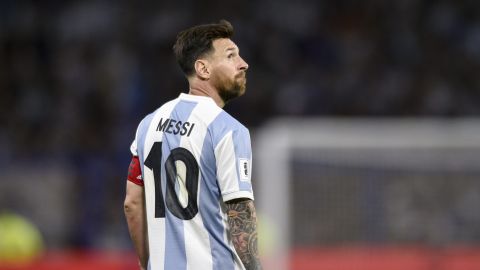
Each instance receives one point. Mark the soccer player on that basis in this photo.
(189, 199)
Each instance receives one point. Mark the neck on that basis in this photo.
(202, 88)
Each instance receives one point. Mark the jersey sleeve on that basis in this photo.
(134, 170)
(133, 147)
(233, 155)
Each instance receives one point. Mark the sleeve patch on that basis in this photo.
(244, 169)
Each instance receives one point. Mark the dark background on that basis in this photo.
(76, 77)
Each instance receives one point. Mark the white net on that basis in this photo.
(330, 182)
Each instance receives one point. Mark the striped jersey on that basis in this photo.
(194, 157)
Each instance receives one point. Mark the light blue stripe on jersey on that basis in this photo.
(175, 254)
(225, 123)
(209, 208)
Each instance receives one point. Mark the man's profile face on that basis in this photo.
(228, 70)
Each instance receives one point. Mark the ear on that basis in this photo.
(202, 69)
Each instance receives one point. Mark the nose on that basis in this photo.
(243, 65)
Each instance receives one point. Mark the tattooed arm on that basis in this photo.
(242, 220)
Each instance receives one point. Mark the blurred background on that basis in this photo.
(76, 77)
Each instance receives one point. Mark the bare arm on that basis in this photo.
(134, 208)
(242, 220)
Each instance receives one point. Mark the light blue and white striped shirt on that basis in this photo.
(194, 157)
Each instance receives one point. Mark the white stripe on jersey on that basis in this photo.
(156, 226)
(229, 165)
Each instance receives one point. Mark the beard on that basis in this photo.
(229, 89)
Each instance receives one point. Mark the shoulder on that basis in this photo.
(225, 124)
(226, 121)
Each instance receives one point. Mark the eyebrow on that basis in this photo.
(232, 49)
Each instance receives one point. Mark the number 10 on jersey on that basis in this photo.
(187, 180)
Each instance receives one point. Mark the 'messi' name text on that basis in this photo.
(173, 126)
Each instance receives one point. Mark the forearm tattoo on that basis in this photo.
(242, 220)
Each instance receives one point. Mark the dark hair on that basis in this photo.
(196, 41)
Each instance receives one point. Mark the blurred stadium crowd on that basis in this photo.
(77, 76)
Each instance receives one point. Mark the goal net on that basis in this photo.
(323, 183)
